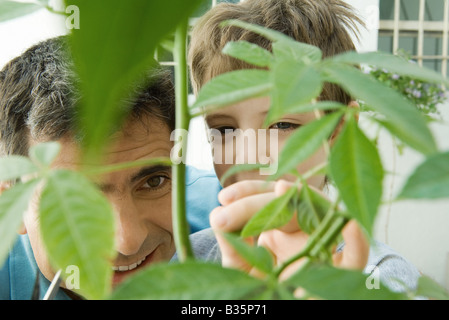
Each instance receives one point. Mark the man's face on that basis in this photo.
(249, 116)
(140, 197)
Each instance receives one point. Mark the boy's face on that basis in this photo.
(249, 116)
(141, 198)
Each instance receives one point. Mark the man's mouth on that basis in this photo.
(127, 268)
(121, 272)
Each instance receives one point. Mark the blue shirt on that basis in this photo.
(18, 273)
(202, 188)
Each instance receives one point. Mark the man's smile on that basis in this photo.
(123, 271)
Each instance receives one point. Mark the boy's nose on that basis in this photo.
(261, 147)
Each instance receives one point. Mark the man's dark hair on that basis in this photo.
(39, 97)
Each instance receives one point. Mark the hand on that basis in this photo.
(242, 200)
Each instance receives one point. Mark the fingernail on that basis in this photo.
(227, 195)
(220, 218)
(281, 187)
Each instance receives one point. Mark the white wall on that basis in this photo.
(416, 229)
(368, 11)
(19, 34)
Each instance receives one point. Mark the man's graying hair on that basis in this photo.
(39, 97)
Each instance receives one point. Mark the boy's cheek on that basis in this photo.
(220, 170)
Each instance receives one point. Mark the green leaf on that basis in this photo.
(249, 52)
(293, 84)
(311, 209)
(357, 170)
(257, 256)
(232, 87)
(274, 215)
(13, 204)
(44, 153)
(11, 9)
(15, 167)
(402, 118)
(305, 142)
(427, 287)
(297, 52)
(125, 37)
(77, 227)
(270, 34)
(392, 63)
(430, 180)
(187, 281)
(331, 283)
(318, 106)
(283, 45)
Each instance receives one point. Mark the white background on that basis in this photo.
(416, 229)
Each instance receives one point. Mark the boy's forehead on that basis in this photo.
(259, 105)
(254, 109)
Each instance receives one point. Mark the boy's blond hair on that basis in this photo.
(322, 23)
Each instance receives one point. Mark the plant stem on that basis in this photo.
(329, 236)
(180, 224)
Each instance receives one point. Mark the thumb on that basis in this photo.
(356, 250)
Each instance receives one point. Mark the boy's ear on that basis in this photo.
(3, 187)
(352, 104)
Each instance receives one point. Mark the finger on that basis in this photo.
(280, 188)
(281, 244)
(356, 250)
(234, 216)
(284, 246)
(244, 189)
(229, 256)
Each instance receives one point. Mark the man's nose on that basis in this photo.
(130, 231)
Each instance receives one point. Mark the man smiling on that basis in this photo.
(38, 104)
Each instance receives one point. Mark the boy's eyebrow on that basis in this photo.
(217, 116)
(146, 171)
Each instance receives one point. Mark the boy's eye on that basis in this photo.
(284, 126)
(225, 130)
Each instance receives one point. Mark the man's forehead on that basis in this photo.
(141, 128)
(135, 140)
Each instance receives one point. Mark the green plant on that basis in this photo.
(426, 96)
(142, 25)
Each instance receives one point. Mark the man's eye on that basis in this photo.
(284, 126)
(155, 182)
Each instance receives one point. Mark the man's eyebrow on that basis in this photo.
(147, 171)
